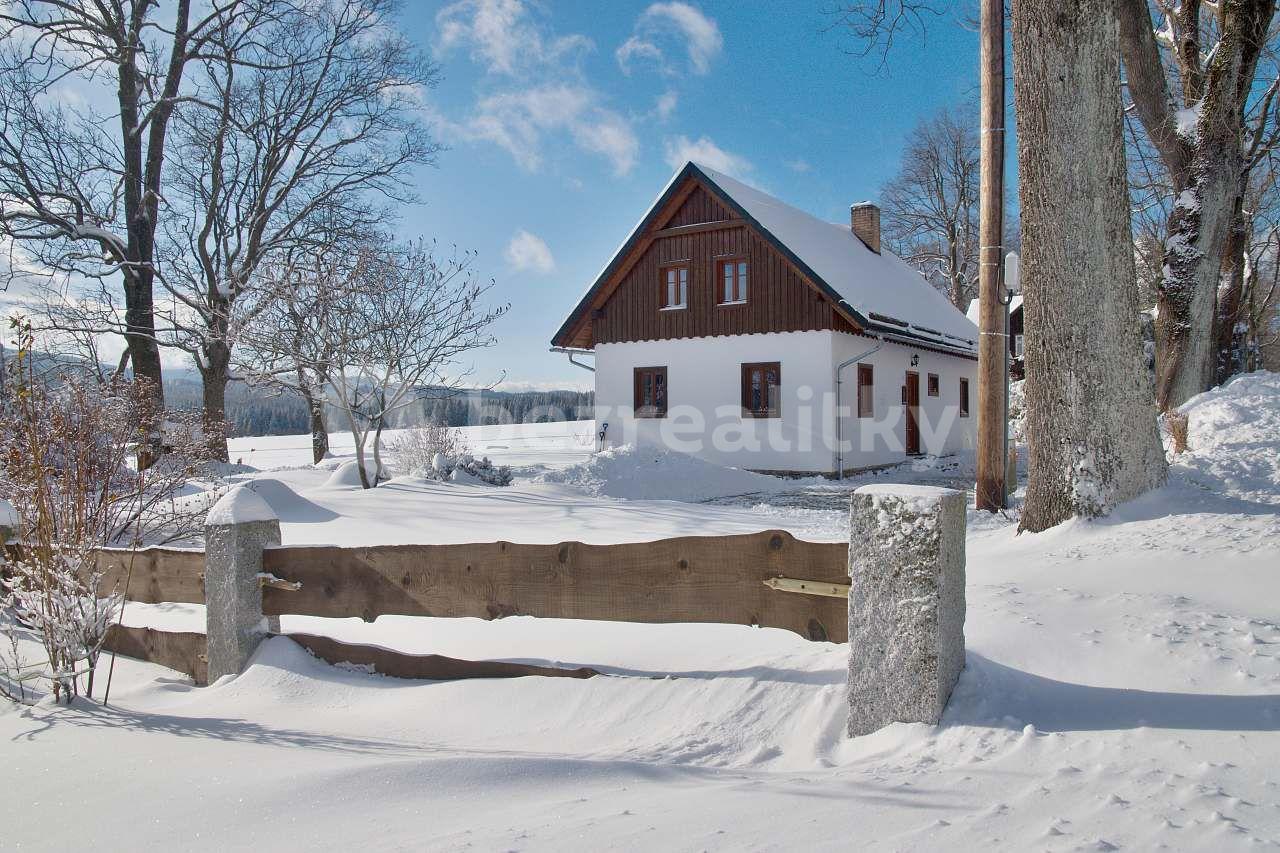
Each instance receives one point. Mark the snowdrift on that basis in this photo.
(1233, 438)
(650, 473)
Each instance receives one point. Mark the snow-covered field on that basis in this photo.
(1122, 689)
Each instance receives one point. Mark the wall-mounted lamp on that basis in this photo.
(915, 359)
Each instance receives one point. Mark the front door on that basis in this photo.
(912, 402)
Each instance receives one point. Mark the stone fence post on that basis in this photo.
(238, 528)
(906, 604)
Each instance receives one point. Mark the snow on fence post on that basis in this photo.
(906, 604)
(238, 528)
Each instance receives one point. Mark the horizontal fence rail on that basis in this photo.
(687, 579)
(159, 574)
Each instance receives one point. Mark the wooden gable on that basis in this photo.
(692, 225)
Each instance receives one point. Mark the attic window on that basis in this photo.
(675, 287)
(732, 275)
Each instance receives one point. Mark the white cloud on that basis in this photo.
(502, 35)
(666, 105)
(681, 149)
(664, 23)
(799, 165)
(537, 91)
(529, 253)
(636, 48)
(518, 121)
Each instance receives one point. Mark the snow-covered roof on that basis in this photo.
(881, 288)
(880, 291)
(974, 312)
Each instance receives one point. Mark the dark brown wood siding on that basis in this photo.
(700, 206)
(778, 298)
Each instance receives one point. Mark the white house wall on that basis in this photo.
(704, 400)
(881, 439)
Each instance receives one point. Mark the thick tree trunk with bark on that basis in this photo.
(215, 373)
(1203, 156)
(1230, 291)
(1091, 415)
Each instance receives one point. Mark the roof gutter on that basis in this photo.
(572, 351)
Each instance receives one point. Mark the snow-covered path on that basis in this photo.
(1122, 690)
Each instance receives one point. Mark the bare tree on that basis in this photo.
(1201, 131)
(290, 346)
(1091, 422)
(307, 125)
(403, 338)
(931, 205)
(81, 188)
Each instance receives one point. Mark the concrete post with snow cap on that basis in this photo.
(239, 527)
(906, 604)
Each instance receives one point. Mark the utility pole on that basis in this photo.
(993, 343)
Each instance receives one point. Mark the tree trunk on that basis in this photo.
(319, 430)
(1205, 167)
(214, 374)
(1091, 416)
(1186, 297)
(1230, 292)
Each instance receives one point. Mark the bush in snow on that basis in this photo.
(467, 469)
(67, 446)
(416, 449)
(439, 453)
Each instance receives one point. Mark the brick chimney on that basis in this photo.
(864, 219)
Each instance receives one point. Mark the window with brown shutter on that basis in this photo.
(933, 384)
(761, 389)
(651, 392)
(731, 277)
(964, 398)
(866, 388)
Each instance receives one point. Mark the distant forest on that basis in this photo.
(250, 411)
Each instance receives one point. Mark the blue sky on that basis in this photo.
(565, 119)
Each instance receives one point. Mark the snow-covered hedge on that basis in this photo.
(440, 453)
(467, 469)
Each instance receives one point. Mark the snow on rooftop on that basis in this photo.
(974, 312)
(868, 282)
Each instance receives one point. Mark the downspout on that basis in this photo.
(839, 420)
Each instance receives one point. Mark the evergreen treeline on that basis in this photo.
(252, 411)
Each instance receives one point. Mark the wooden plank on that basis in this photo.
(689, 579)
(386, 661)
(183, 651)
(698, 228)
(159, 574)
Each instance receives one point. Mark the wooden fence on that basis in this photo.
(749, 579)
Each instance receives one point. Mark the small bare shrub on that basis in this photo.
(415, 449)
(437, 452)
(68, 448)
(1177, 426)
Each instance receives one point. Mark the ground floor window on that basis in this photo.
(933, 384)
(651, 392)
(761, 388)
(964, 398)
(866, 385)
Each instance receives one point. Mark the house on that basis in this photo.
(737, 328)
(1017, 368)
